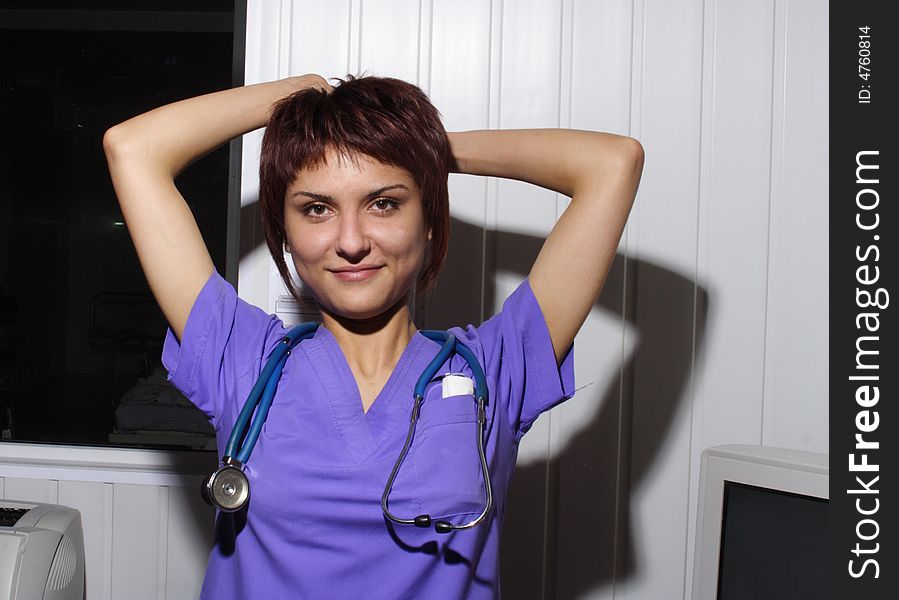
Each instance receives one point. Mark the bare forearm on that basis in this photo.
(562, 160)
(172, 136)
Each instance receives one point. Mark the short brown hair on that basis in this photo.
(387, 119)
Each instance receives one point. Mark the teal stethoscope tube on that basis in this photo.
(228, 487)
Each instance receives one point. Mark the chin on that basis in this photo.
(362, 310)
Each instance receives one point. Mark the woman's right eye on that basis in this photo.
(315, 210)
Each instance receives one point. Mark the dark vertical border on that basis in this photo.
(238, 64)
(863, 263)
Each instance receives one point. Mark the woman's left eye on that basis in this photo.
(385, 205)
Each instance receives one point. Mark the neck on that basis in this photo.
(372, 346)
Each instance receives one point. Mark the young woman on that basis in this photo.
(353, 189)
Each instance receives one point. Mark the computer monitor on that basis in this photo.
(762, 524)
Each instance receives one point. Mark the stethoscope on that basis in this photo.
(228, 488)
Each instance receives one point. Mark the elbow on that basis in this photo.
(633, 153)
(114, 141)
(632, 157)
(121, 142)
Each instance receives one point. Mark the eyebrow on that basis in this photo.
(372, 194)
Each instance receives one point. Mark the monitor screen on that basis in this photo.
(774, 545)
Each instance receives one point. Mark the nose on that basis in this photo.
(353, 243)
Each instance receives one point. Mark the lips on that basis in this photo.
(357, 273)
(355, 269)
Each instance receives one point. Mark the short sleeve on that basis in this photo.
(519, 353)
(224, 338)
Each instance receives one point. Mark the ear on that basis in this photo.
(430, 234)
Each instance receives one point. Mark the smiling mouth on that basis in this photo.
(355, 269)
(356, 274)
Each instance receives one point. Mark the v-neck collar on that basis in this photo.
(364, 432)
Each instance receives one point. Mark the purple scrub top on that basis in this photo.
(313, 527)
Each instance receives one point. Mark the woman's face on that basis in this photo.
(341, 217)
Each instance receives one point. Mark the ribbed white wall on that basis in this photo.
(147, 532)
(712, 327)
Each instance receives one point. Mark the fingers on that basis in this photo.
(313, 80)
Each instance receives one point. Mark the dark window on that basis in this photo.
(80, 333)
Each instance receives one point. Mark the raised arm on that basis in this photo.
(146, 153)
(600, 172)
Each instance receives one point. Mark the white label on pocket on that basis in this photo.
(457, 385)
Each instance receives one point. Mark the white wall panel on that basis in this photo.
(529, 91)
(94, 501)
(320, 37)
(459, 76)
(601, 59)
(136, 543)
(733, 222)
(30, 490)
(389, 39)
(662, 239)
(796, 388)
(263, 62)
(460, 62)
(191, 524)
(733, 230)
(585, 436)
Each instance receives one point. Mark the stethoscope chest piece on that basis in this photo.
(227, 488)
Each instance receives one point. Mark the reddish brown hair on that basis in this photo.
(385, 118)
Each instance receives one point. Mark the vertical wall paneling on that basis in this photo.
(190, 525)
(90, 499)
(285, 38)
(355, 37)
(425, 21)
(389, 38)
(108, 514)
(529, 97)
(603, 56)
(585, 436)
(778, 105)
(28, 490)
(162, 536)
(664, 233)
(320, 35)
(621, 558)
(135, 542)
(459, 76)
(733, 237)
(262, 64)
(796, 396)
(733, 223)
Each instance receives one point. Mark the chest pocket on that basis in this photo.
(445, 455)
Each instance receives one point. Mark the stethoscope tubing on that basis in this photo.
(263, 390)
(450, 345)
(255, 411)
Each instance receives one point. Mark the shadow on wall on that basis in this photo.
(586, 542)
(575, 549)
